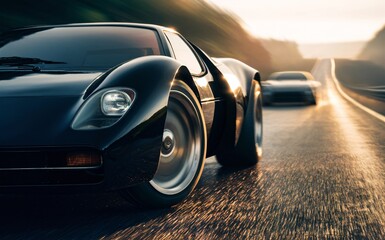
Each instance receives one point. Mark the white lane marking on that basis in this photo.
(362, 107)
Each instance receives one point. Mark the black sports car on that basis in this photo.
(121, 106)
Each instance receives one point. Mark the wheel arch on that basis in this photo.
(142, 127)
(184, 75)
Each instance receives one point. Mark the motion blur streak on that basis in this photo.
(322, 177)
(367, 161)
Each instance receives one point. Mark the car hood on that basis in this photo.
(37, 109)
(14, 84)
(290, 84)
(286, 83)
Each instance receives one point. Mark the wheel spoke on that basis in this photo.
(181, 147)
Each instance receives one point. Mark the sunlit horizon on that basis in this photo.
(307, 22)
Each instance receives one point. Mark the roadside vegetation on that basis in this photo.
(364, 79)
(369, 70)
(374, 50)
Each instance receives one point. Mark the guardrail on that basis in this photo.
(367, 103)
(376, 92)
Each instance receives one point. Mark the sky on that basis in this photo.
(309, 21)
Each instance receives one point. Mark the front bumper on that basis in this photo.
(288, 96)
(125, 163)
(50, 166)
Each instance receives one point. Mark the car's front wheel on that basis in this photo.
(182, 154)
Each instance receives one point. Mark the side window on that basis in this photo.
(183, 53)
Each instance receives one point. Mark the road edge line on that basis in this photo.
(347, 97)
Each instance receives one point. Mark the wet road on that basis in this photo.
(322, 176)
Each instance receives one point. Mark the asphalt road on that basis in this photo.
(322, 176)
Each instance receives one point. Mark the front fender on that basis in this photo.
(244, 73)
(151, 79)
(132, 153)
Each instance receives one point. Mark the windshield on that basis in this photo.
(78, 48)
(288, 76)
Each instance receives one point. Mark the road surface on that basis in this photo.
(322, 176)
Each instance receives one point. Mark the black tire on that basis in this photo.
(182, 156)
(248, 150)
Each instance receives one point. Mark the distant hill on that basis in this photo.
(215, 30)
(348, 50)
(374, 50)
(276, 48)
(364, 79)
(285, 56)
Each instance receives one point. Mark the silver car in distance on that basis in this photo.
(290, 87)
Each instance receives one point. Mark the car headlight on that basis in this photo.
(115, 103)
(104, 108)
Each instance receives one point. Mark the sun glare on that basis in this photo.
(309, 21)
(233, 81)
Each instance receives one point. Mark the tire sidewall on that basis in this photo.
(145, 191)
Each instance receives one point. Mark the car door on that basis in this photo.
(184, 53)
